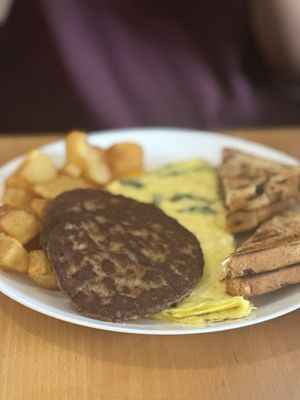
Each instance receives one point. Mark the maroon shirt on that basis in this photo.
(105, 64)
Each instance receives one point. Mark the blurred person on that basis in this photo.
(104, 64)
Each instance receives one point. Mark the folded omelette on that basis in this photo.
(188, 192)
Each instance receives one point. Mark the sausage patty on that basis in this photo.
(119, 259)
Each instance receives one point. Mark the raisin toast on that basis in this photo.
(255, 189)
(268, 260)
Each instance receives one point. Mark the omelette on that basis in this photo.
(188, 192)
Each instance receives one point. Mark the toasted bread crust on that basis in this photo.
(255, 189)
(241, 221)
(263, 283)
(275, 244)
(262, 261)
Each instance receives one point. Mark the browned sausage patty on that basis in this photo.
(119, 259)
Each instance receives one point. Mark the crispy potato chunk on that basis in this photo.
(97, 169)
(17, 197)
(76, 144)
(40, 271)
(13, 256)
(125, 159)
(91, 160)
(50, 190)
(37, 168)
(20, 224)
(71, 170)
(39, 206)
(16, 181)
(132, 173)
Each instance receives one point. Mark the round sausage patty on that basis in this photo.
(119, 259)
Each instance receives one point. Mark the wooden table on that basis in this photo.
(43, 358)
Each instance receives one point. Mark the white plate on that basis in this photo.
(161, 146)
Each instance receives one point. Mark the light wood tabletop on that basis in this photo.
(43, 358)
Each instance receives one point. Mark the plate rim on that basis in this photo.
(124, 328)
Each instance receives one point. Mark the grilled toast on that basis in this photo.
(268, 260)
(266, 282)
(255, 189)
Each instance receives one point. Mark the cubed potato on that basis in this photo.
(125, 159)
(97, 169)
(63, 183)
(37, 168)
(76, 144)
(71, 170)
(20, 224)
(132, 173)
(13, 256)
(16, 181)
(39, 206)
(40, 271)
(17, 197)
(90, 159)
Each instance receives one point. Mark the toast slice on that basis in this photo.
(241, 221)
(275, 244)
(254, 189)
(254, 285)
(268, 260)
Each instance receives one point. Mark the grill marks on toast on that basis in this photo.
(268, 260)
(282, 229)
(254, 285)
(255, 189)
